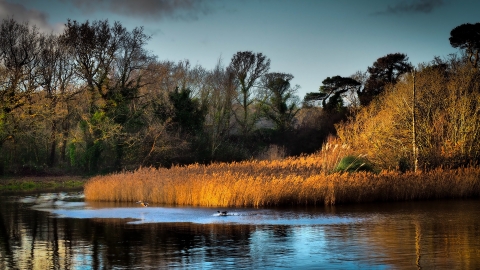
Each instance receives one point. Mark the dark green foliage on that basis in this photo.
(183, 117)
(280, 105)
(467, 37)
(332, 92)
(118, 108)
(354, 164)
(386, 70)
(188, 113)
(312, 97)
(72, 154)
(97, 130)
(91, 157)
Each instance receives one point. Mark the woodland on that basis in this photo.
(92, 100)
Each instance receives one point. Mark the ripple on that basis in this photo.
(66, 205)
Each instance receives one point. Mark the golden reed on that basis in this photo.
(304, 180)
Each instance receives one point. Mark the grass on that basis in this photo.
(34, 183)
(305, 180)
(229, 188)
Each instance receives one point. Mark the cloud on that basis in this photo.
(34, 17)
(415, 6)
(149, 9)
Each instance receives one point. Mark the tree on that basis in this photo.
(220, 91)
(247, 67)
(109, 60)
(281, 105)
(56, 70)
(19, 50)
(352, 97)
(467, 37)
(187, 112)
(187, 119)
(386, 70)
(446, 106)
(333, 91)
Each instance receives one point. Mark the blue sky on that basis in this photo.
(311, 39)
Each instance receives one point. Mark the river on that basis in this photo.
(59, 230)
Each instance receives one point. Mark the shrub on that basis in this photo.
(354, 164)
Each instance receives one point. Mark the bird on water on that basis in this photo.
(144, 204)
(223, 213)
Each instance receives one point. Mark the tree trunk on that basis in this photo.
(414, 132)
(53, 144)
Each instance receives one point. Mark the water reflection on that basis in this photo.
(60, 231)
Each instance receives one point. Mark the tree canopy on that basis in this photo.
(247, 68)
(386, 70)
(280, 106)
(93, 100)
(467, 37)
(332, 91)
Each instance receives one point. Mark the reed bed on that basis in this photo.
(305, 180)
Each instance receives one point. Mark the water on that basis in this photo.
(58, 230)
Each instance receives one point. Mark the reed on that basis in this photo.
(304, 180)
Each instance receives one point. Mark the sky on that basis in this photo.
(310, 39)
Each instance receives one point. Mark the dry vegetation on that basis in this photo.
(447, 105)
(305, 180)
(448, 126)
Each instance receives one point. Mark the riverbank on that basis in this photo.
(288, 182)
(29, 183)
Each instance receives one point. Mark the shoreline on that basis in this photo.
(30, 183)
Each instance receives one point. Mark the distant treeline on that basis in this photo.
(93, 100)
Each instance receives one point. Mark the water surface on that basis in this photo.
(59, 230)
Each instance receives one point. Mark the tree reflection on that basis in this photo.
(6, 250)
(444, 235)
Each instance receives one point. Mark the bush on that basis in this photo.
(354, 164)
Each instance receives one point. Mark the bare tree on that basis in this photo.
(56, 68)
(109, 60)
(247, 68)
(108, 57)
(19, 51)
(220, 92)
